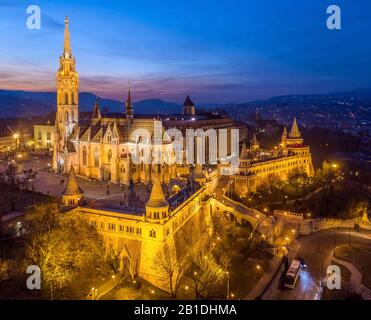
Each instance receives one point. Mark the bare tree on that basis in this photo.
(207, 272)
(172, 266)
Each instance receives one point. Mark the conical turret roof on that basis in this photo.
(188, 101)
(157, 198)
(284, 131)
(294, 132)
(197, 172)
(254, 141)
(72, 186)
(244, 155)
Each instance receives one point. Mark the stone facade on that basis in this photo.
(256, 165)
(138, 240)
(44, 136)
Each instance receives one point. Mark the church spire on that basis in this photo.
(67, 52)
(128, 105)
(294, 132)
(96, 111)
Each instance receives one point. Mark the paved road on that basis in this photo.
(316, 249)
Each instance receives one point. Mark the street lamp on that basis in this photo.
(227, 285)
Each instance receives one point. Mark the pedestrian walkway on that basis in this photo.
(97, 292)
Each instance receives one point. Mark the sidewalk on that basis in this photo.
(100, 291)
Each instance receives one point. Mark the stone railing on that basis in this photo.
(313, 225)
(288, 214)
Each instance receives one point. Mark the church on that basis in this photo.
(99, 145)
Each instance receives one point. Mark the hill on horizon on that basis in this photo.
(19, 103)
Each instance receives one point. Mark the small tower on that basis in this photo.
(72, 194)
(129, 106)
(284, 137)
(254, 143)
(157, 208)
(96, 111)
(198, 176)
(189, 107)
(294, 138)
(244, 156)
(294, 132)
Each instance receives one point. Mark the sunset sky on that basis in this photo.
(217, 51)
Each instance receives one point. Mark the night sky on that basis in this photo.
(216, 51)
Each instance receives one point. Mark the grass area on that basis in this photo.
(360, 257)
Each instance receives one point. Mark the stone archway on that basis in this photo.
(127, 266)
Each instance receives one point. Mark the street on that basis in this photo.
(317, 250)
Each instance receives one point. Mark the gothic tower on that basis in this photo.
(129, 107)
(67, 98)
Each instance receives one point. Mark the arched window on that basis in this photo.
(84, 156)
(109, 155)
(66, 116)
(66, 98)
(96, 158)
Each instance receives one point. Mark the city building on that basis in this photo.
(258, 165)
(44, 136)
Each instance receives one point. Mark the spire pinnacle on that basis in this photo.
(72, 186)
(157, 198)
(254, 140)
(244, 154)
(129, 94)
(294, 132)
(96, 111)
(67, 44)
(284, 131)
(128, 105)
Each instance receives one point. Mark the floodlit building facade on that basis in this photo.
(257, 165)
